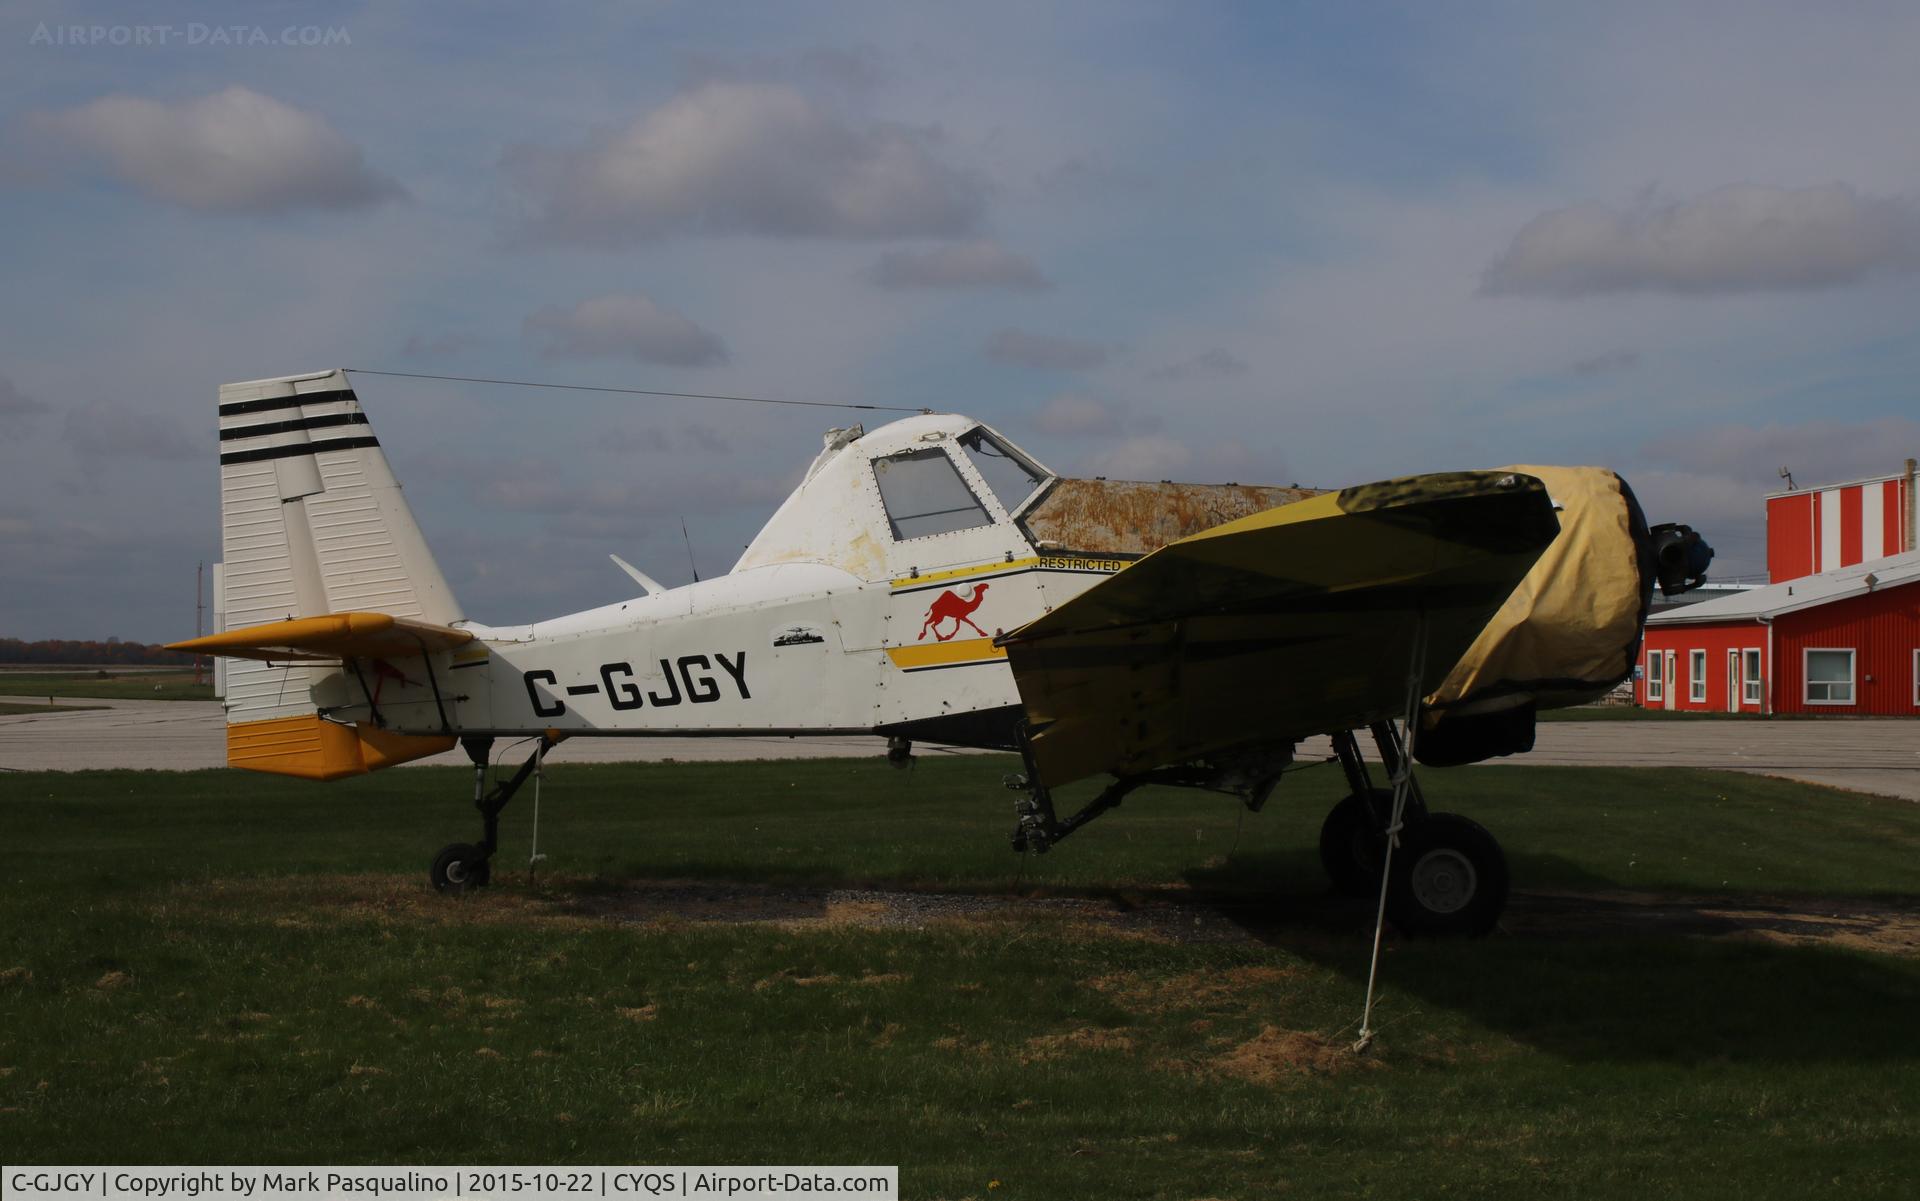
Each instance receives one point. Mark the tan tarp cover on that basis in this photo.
(1571, 630)
(1128, 517)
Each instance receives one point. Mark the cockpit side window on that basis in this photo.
(1011, 477)
(924, 495)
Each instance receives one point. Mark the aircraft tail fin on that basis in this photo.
(312, 524)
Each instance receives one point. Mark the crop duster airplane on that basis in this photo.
(929, 580)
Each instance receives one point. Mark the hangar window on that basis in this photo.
(1697, 676)
(1750, 676)
(924, 495)
(1656, 676)
(1829, 677)
(1011, 477)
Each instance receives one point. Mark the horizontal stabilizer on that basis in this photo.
(328, 637)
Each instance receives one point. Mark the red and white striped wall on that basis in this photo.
(1820, 529)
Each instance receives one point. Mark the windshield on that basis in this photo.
(1011, 477)
(924, 495)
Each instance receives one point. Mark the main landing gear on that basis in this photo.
(1449, 874)
(463, 865)
(1037, 826)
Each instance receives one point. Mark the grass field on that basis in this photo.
(120, 686)
(208, 967)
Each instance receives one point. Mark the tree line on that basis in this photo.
(90, 652)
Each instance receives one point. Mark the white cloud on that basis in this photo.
(1153, 457)
(1073, 415)
(727, 157)
(625, 326)
(233, 151)
(1218, 363)
(1739, 238)
(981, 264)
(1022, 349)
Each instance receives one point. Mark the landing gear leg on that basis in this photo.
(463, 865)
(1353, 838)
(1037, 827)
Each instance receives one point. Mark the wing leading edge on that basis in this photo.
(1286, 623)
(328, 637)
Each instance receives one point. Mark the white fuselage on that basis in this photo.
(830, 623)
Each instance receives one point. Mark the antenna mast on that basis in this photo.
(689, 541)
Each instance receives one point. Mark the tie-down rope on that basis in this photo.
(539, 773)
(1402, 787)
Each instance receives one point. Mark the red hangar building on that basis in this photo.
(1836, 632)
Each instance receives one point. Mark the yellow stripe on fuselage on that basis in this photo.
(1052, 561)
(946, 654)
(961, 573)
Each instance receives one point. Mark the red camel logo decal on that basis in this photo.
(949, 605)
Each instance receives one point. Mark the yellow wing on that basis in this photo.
(329, 637)
(1291, 622)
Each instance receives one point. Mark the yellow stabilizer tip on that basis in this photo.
(329, 636)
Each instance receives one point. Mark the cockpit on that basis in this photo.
(915, 494)
(924, 493)
(940, 490)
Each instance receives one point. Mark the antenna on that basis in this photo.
(528, 383)
(689, 541)
(1787, 476)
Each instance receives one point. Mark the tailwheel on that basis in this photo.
(463, 865)
(1353, 840)
(459, 867)
(1449, 877)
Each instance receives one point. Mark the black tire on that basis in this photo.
(1449, 878)
(460, 866)
(1352, 844)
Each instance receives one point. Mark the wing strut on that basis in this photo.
(1402, 788)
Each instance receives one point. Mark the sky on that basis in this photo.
(1267, 243)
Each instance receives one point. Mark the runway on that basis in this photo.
(1877, 755)
(189, 735)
